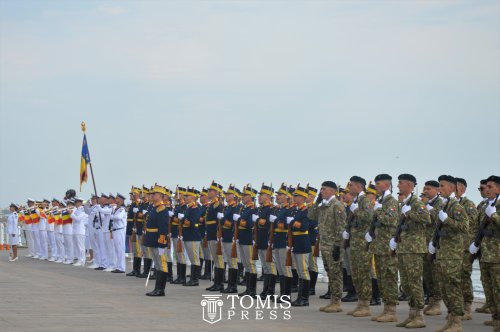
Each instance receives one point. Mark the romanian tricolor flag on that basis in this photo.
(85, 160)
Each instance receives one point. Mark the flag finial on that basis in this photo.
(84, 127)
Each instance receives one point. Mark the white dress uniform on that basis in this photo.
(58, 230)
(51, 238)
(118, 224)
(108, 252)
(68, 242)
(29, 235)
(80, 220)
(42, 234)
(12, 230)
(35, 233)
(93, 222)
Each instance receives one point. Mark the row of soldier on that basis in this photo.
(363, 222)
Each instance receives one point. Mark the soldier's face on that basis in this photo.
(460, 189)
(203, 199)
(492, 189)
(405, 187)
(446, 188)
(299, 200)
(482, 190)
(430, 191)
(157, 197)
(212, 194)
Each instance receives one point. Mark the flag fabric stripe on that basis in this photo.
(85, 160)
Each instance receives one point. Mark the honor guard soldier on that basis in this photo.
(280, 230)
(190, 236)
(12, 231)
(226, 218)
(58, 229)
(261, 218)
(42, 229)
(80, 220)
(382, 229)
(167, 201)
(134, 230)
(51, 223)
(451, 233)
(410, 247)
(35, 227)
(26, 218)
(331, 217)
(301, 244)
(156, 238)
(179, 209)
(119, 224)
(314, 237)
(212, 230)
(472, 216)
(104, 213)
(359, 221)
(204, 203)
(68, 232)
(490, 248)
(93, 224)
(431, 275)
(145, 208)
(244, 238)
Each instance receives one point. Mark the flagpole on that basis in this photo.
(84, 128)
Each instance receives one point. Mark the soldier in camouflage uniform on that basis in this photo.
(485, 308)
(472, 214)
(490, 248)
(452, 231)
(331, 217)
(362, 210)
(411, 249)
(431, 275)
(385, 223)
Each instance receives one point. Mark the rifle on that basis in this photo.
(269, 252)
(234, 252)
(481, 232)
(255, 253)
(401, 223)
(179, 236)
(347, 243)
(169, 235)
(219, 231)
(373, 226)
(288, 261)
(435, 235)
(316, 247)
(133, 238)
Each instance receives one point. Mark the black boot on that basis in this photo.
(282, 284)
(271, 288)
(161, 278)
(170, 273)
(344, 280)
(147, 267)
(303, 295)
(314, 278)
(351, 295)
(264, 288)
(375, 293)
(231, 286)
(240, 273)
(136, 267)
(193, 281)
(153, 274)
(208, 270)
(261, 278)
(179, 275)
(247, 284)
(295, 281)
(218, 280)
(287, 290)
(243, 281)
(224, 274)
(154, 291)
(253, 284)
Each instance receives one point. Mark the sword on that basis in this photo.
(147, 279)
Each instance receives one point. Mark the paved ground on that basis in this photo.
(42, 296)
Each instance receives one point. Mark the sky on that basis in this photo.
(186, 92)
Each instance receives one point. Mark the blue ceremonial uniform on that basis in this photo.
(201, 226)
(281, 227)
(211, 219)
(245, 225)
(130, 218)
(157, 227)
(263, 226)
(300, 235)
(190, 223)
(228, 230)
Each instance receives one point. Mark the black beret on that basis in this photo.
(462, 181)
(432, 183)
(483, 181)
(494, 178)
(330, 184)
(447, 178)
(358, 179)
(382, 177)
(408, 177)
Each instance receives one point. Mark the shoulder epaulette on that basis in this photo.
(160, 208)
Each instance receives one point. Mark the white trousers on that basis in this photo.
(36, 241)
(79, 247)
(29, 242)
(101, 247)
(119, 249)
(60, 246)
(68, 246)
(109, 250)
(44, 250)
(52, 243)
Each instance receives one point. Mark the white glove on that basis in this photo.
(180, 215)
(236, 217)
(353, 207)
(345, 235)
(144, 211)
(220, 215)
(255, 217)
(170, 213)
(473, 249)
(135, 210)
(272, 218)
(490, 210)
(393, 244)
(377, 206)
(161, 251)
(405, 209)
(429, 207)
(443, 215)
(431, 248)
(368, 237)
(289, 220)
